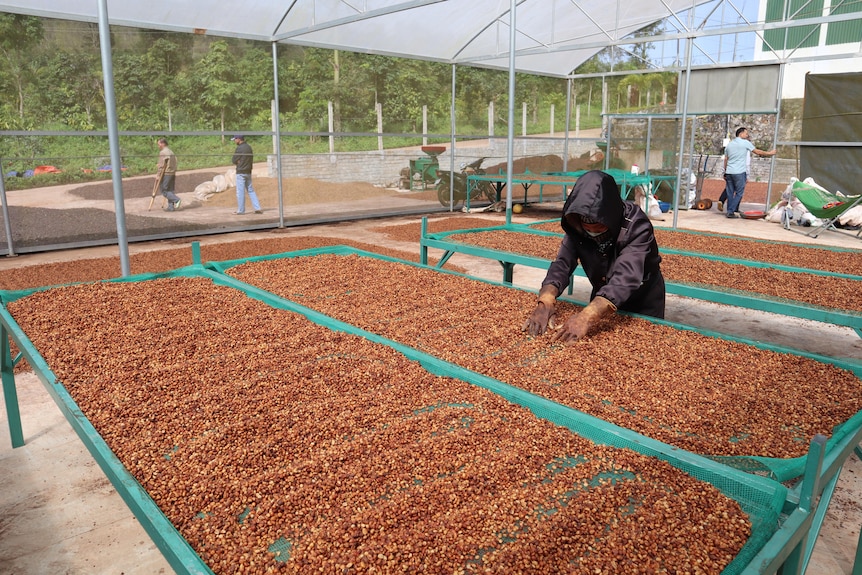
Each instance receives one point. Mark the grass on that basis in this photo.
(83, 159)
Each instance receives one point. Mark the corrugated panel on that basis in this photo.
(849, 32)
(797, 36)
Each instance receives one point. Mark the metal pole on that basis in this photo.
(510, 144)
(608, 127)
(452, 144)
(568, 124)
(780, 89)
(650, 190)
(682, 132)
(648, 140)
(693, 166)
(277, 125)
(113, 136)
(6, 219)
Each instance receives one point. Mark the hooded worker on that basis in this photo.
(615, 243)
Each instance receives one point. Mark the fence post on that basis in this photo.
(379, 107)
(331, 128)
(578, 121)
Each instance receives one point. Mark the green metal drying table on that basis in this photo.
(749, 300)
(801, 507)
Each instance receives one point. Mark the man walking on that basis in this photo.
(243, 159)
(736, 168)
(168, 162)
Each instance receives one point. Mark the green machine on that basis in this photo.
(423, 170)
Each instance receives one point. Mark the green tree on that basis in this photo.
(540, 92)
(476, 87)
(74, 90)
(163, 63)
(311, 90)
(404, 87)
(133, 90)
(338, 77)
(20, 37)
(216, 83)
(255, 90)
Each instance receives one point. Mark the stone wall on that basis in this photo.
(759, 172)
(384, 168)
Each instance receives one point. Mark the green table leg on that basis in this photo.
(508, 272)
(10, 394)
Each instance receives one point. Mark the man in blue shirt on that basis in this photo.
(736, 168)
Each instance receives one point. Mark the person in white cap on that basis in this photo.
(243, 159)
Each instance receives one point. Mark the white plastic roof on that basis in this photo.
(553, 36)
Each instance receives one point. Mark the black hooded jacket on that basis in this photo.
(621, 264)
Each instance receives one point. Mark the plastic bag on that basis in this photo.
(649, 204)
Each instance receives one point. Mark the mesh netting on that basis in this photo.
(822, 203)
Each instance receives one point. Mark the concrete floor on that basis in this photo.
(60, 515)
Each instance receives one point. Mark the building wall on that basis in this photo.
(835, 45)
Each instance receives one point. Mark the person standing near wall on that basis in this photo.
(723, 197)
(167, 187)
(736, 168)
(243, 160)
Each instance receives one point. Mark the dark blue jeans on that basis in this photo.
(735, 188)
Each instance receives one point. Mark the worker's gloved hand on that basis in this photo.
(538, 321)
(578, 325)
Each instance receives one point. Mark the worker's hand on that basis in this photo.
(578, 325)
(538, 321)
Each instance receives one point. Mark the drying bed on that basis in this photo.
(276, 444)
(844, 292)
(756, 407)
(825, 258)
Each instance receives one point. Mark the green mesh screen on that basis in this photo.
(822, 203)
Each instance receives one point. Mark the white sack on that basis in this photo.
(230, 177)
(220, 183)
(654, 212)
(205, 190)
(776, 213)
(852, 217)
